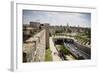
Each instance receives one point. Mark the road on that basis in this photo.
(75, 51)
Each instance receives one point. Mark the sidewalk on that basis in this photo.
(54, 51)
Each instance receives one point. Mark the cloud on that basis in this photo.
(58, 18)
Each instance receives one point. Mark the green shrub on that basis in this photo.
(48, 55)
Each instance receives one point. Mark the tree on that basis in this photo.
(69, 30)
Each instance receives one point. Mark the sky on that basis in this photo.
(57, 18)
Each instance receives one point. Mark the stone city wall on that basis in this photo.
(35, 51)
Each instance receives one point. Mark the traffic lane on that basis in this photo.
(73, 49)
(85, 55)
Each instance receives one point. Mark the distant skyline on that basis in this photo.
(57, 18)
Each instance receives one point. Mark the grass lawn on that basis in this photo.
(64, 49)
(48, 56)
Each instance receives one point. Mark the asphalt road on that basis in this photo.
(75, 51)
